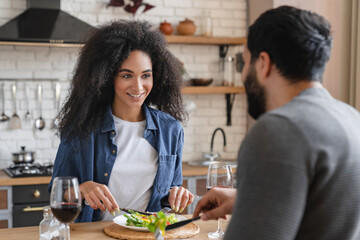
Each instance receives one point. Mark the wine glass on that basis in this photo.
(219, 175)
(65, 202)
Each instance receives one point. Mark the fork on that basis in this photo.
(165, 209)
(157, 233)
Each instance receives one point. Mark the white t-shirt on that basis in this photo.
(135, 167)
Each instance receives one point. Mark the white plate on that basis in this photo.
(121, 220)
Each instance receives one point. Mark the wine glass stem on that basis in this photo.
(64, 232)
(218, 234)
(219, 226)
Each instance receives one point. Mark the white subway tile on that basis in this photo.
(95, 8)
(217, 120)
(209, 112)
(16, 55)
(6, 48)
(7, 65)
(207, 5)
(188, 13)
(14, 74)
(188, 58)
(9, 13)
(200, 67)
(220, 13)
(25, 65)
(18, 4)
(206, 58)
(233, 5)
(161, 11)
(182, 3)
(239, 14)
(223, 32)
(5, 4)
(198, 49)
(199, 121)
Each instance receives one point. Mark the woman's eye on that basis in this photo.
(146, 76)
(126, 76)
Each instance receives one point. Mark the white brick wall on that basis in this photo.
(21, 62)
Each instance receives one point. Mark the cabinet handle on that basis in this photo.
(36, 193)
(33, 209)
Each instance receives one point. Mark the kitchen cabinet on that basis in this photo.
(24, 197)
(21, 205)
(5, 206)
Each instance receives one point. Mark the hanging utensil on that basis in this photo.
(3, 116)
(56, 120)
(27, 114)
(15, 122)
(39, 122)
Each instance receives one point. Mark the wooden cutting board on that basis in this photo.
(116, 231)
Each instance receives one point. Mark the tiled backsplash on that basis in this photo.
(208, 111)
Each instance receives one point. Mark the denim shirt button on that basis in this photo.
(106, 174)
(113, 132)
(113, 151)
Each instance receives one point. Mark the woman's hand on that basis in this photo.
(98, 196)
(180, 198)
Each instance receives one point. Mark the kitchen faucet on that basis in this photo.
(211, 156)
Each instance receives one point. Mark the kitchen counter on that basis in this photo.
(94, 230)
(5, 180)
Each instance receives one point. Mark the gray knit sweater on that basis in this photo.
(299, 173)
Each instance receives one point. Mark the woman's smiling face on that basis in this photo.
(134, 81)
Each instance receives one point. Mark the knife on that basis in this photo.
(181, 223)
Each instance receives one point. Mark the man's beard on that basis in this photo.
(255, 95)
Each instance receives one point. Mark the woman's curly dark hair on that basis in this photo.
(91, 89)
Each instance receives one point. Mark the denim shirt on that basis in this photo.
(92, 159)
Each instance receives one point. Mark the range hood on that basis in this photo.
(44, 22)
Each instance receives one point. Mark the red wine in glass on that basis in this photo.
(66, 212)
(65, 202)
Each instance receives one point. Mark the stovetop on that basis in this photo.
(29, 170)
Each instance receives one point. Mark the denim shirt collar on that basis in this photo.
(109, 124)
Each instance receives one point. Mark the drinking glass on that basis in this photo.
(65, 202)
(219, 175)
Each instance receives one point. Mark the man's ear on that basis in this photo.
(263, 65)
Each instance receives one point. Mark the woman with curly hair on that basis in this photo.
(123, 151)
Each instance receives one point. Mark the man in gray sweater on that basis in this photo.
(298, 174)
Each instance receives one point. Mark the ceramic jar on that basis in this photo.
(166, 28)
(186, 27)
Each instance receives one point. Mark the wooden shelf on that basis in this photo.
(204, 40)
(212, 90)
(41, 44)
(177, 39)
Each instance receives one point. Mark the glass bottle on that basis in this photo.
(207, 24)
(44, 226)
(229, 68)
(55, 226)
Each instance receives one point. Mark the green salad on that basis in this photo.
(152, 221)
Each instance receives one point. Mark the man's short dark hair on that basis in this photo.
(298, 42)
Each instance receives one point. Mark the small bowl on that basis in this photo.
(201, 81)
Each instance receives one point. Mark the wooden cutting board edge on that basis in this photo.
(116, 231)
